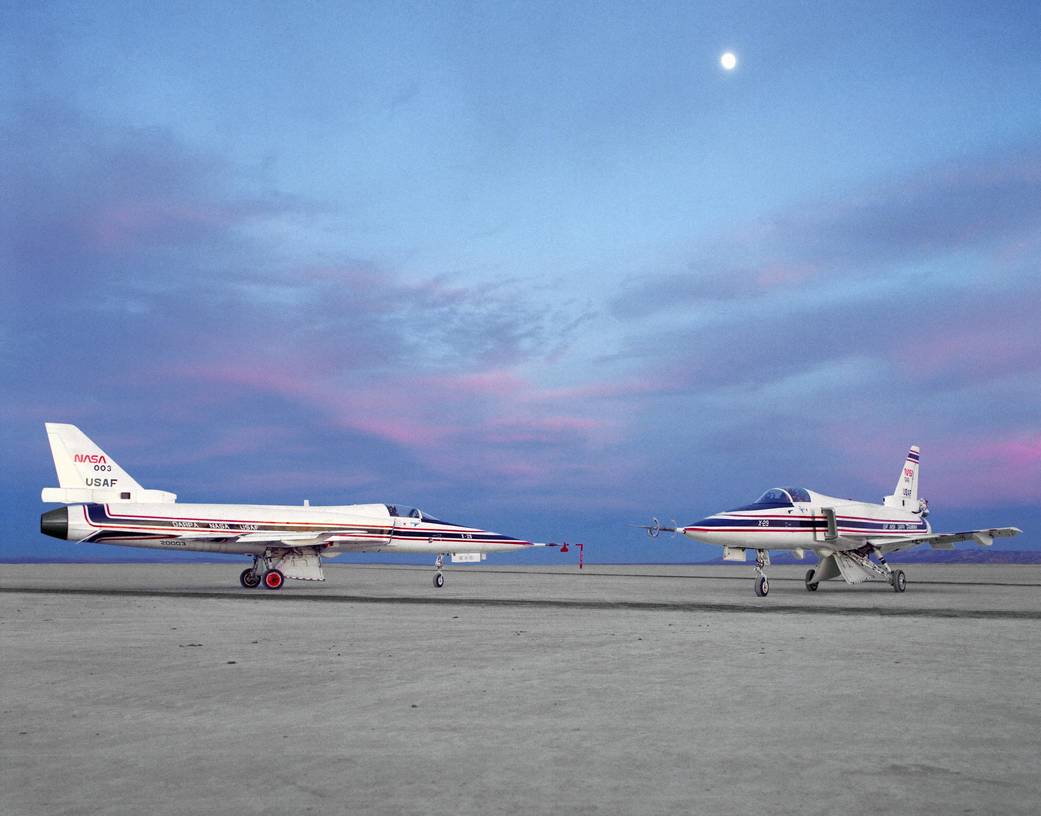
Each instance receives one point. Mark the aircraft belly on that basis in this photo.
(761, 539)
(190, 545)
(300, 566)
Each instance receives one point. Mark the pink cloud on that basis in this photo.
(494, 423)
(496, 382)
(541, 429)
(1020, 451)
(129, 224)
(1007, 468)
(994, 345)
(957, 470)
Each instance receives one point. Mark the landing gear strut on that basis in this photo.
(897, 579)
(439, 577)
(762, 585)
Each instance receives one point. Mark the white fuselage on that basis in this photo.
(803, 525)
(252, 529)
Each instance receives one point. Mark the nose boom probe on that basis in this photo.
(655, 528)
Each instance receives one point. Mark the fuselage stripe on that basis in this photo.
(99, 517)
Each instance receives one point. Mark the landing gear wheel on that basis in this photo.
(811, 585)
(762, 586)
(249, 579)
(899, 581)
(273, 579)
(439, 580)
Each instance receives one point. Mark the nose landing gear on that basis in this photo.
(762, 585)
(439, 577)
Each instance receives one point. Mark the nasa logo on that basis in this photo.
(909, 472)
(92, 458)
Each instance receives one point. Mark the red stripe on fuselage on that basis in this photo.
(815, 518)
(211, 533)
(845, 530)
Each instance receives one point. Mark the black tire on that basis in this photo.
(899, 581)
(274, 579)
(762, 586)
(249, 579)
(439, 580)
(811, 585)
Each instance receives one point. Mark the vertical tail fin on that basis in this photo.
(905, 496)
(81, 463)
(87, 474)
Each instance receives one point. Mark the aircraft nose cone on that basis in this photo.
(55, 522)
(703, 530)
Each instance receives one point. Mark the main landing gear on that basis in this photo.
(260, 575)
(249, 579)
(439, 577)
(897, 579)
(762, 585)
(861, 562)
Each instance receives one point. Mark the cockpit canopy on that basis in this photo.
(787, 495)
(778, 497)
(402, 511)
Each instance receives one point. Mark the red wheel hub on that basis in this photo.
(273, 580)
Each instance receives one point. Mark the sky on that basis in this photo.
(542, 268)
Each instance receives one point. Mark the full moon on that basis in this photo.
(728, 61)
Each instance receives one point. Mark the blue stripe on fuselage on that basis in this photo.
(851, 525)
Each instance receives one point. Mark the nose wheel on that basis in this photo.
(439, 577)
(762, 584)
(899, 581)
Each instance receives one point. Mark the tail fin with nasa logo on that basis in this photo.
(87, 474)
(905, 496)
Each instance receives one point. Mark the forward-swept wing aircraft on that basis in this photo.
(105, 505)
(849, 538)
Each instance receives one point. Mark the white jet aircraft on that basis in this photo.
(843, 533)
(105, 505)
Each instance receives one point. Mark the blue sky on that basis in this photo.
(545, 268)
